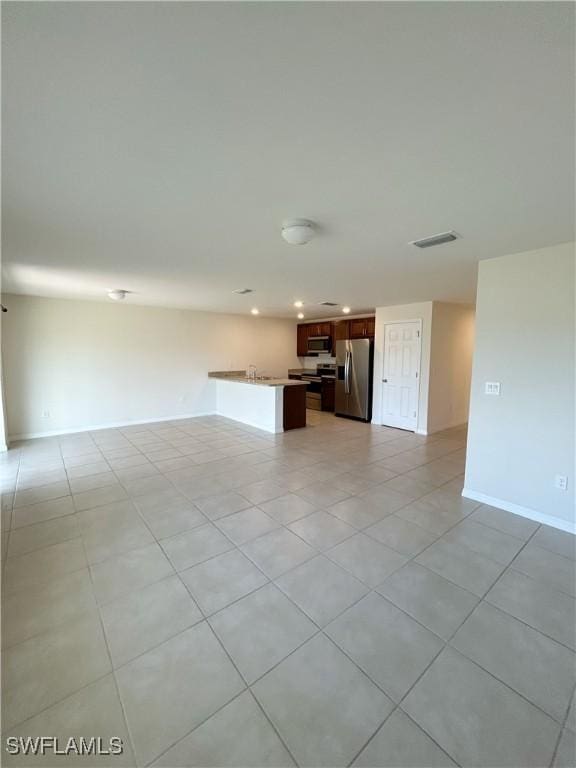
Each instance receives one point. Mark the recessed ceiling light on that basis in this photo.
(255, 311)
(298, 303)
(117, 294)
(346, 310)
(300, 315)
(298, 231)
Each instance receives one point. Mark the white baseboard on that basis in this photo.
(453, 425)
(111, 425)
(249, 423)
(389, 426)
(517, 509)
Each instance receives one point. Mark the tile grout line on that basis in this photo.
(446, 643)
(108, 651)
(224, 649)
(237, 548)
(378, 484)
(232, 662)
(563, 727)
(11, 526)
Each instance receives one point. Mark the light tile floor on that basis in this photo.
(217, 596)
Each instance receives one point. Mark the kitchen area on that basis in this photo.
(338, 370)
(336, 377)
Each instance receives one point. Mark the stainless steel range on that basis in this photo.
(317, 381)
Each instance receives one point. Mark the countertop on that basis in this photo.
(240, 378)
(311, 372)
(299, 371)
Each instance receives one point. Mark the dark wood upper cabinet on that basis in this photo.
(355, 328)
(341, 330)
(362, 327)
(302, 340)
(319, 329)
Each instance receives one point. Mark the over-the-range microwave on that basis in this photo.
(319, 345)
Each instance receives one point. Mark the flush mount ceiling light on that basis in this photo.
(300, 315)
(298, 304)
(117, 294)
(346, 310)
(298, 231)
(255, 311)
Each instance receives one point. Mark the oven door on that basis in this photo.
(313, 392)
(319, 345)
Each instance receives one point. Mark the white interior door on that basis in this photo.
(401, 375)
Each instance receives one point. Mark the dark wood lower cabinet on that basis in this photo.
(294, 407)
(328, 399)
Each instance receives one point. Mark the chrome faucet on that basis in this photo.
(252, 372)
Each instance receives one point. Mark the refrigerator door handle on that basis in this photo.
(347, 372)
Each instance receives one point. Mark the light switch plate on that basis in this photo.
(492, 388)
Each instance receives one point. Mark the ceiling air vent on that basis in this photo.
(428, 242)
(243, 291)
(328, 304)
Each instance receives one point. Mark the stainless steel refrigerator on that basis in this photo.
(354, 365)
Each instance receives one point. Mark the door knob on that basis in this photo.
(385, 381)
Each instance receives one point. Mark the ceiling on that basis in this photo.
(157, 147)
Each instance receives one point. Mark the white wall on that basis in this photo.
(450, 365)
(93, 364)
(518, 442)
(445, 366)
(421, 311)
(3, 430)
(313, 362)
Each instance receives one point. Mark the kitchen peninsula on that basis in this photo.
(274, 405)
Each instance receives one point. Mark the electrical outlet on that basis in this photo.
(561, 482)
(492, 388)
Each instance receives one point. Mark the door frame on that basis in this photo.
(417, 320)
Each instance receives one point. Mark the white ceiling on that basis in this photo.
(158, 147)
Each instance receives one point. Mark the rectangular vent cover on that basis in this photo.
(428, 242)
(242, 291)
(328, 304)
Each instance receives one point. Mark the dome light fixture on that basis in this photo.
(255, 311)
(298, 304)
(118, 294)
(346, 310)
(298, 231)
(300, 315)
